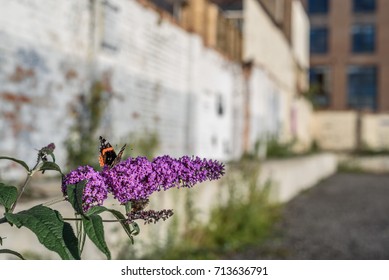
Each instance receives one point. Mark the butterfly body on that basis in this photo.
(108, 156)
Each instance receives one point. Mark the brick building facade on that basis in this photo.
(349, 54)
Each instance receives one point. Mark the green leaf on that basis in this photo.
(123, 221)
(49, 227)
(52, 155)
(118, 215)
(22, 163)
(48, 165)
(74, 193)
(8, 196)
(71, 240)
(7, 251)
(95, 230)
(96, 210)
(136, 229)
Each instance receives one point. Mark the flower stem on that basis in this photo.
(54, 201)
(28, 179)
(106, 221)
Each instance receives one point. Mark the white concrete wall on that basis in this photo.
(267, 46)
(375, 131)
(265, 107)
(215, 91)
(300, 34)
(372, 164)
(149, 74)
(335, 130)
(269, 49)
(41, 47)
(302, 118)
(286, 175)
(156, 77)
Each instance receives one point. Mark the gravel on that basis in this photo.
(343, 217)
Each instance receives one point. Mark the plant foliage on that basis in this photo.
(80, 189)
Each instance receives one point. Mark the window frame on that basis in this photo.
(322, 98)
(361, 10)
(365, 49)
(361, 88)
(318, 11)
(326, 48)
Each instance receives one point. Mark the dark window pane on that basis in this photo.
(318, 40)
(319, 81)
(364, 6)
(164, 5)
(318, 6)
(362, 87)
(363, 36)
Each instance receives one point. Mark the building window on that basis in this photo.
(318, 6)
(364, 6)
(319, 80)
(363, 38)
(318, 40)
(362, 87)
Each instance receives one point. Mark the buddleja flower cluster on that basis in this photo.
(135, 179)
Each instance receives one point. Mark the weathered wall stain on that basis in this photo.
(21, 74)
(30, 58)
(71, 74)
(18, 99)
(12, 115)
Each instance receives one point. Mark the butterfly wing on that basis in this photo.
(107, 153)
(118, 158)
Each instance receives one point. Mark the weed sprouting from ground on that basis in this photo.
(246, 219)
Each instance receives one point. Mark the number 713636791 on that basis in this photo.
(251, 270)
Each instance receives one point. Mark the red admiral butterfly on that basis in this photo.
(108, 155)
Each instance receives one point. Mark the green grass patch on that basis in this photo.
(243, 222)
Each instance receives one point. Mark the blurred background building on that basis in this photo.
(349, 46)
(215, 78)
(210, 78)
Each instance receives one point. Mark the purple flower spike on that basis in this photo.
(150, 216)
(132, 179)
(137, 178)
(186, 171)
(95, 191)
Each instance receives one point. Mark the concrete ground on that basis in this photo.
(343, 217)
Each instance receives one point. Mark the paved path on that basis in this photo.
(344, 217)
